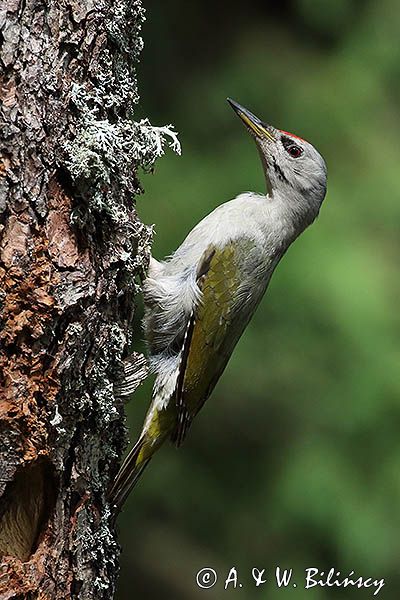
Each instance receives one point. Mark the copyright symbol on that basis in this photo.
(206, 578)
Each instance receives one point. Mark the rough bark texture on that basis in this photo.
(71, 247)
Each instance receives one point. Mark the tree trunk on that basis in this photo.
(71, 248)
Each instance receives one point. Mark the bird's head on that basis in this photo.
(293, 168)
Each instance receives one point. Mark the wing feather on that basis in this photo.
(210, 336)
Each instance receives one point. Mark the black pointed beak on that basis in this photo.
(257, 127)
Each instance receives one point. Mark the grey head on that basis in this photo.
(294, 170)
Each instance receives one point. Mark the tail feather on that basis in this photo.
(183, 423)
(128, 475)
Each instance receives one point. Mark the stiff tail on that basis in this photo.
(128, 475)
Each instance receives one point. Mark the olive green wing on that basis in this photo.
(211, 334)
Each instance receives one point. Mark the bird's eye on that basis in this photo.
(294, 151)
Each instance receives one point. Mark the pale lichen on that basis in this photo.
(103, 151)
(109, 145)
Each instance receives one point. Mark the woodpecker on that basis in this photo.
(199, 301)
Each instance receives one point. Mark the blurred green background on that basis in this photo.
(295, 459)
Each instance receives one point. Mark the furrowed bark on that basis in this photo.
(71, 248)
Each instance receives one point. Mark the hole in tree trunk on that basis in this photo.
(25, 508)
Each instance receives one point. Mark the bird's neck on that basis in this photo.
(293, 211)
(283, 219)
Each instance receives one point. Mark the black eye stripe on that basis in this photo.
(286, 141)
(291, 147)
